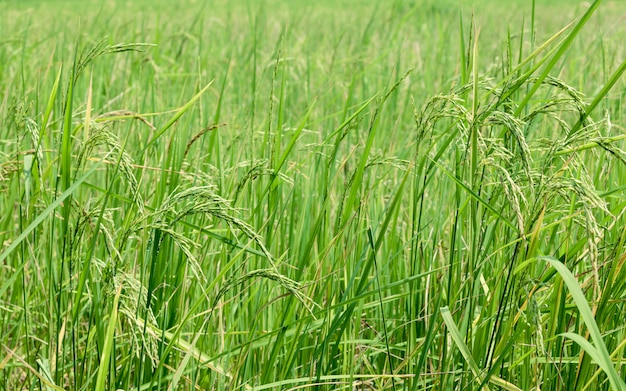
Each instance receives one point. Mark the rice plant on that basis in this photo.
(340, 195)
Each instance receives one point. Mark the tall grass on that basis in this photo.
(283, 196)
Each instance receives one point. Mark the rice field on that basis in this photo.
(274, 195)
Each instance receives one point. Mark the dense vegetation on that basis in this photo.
(330, 195)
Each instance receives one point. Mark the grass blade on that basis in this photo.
(599, 352)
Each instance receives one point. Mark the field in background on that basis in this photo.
(355, 194)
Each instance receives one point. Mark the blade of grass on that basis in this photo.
(601, 95)
(43, 215)
(457, 337)
(557, 56)
(179, 113)
(107, 348)
(602, 357)
(476, 196)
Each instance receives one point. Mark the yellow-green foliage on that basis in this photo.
(355, 194)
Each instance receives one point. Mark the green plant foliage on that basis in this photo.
(360, 194)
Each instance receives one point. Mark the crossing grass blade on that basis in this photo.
(598, 351)
(563, 47)
(107, 348)
(179, 113)
(46, 213)
(615, 77)
(458, 339)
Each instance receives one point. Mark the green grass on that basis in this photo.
(287, 195)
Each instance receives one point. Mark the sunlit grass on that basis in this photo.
(288, 195)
